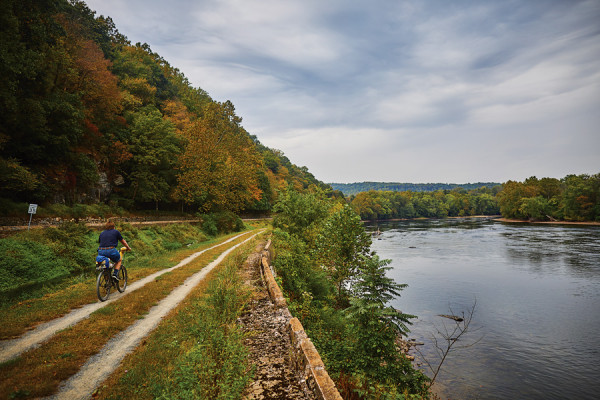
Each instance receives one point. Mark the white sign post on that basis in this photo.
(32, 210)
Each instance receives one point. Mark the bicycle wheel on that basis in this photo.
(103, 284)
(122, 279)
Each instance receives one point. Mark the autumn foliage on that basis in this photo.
(89, 117)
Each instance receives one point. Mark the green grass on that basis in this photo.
(35, 260)
(53, 300)
(197, 351)
(39, 371)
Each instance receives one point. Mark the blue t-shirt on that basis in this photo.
(109, 238)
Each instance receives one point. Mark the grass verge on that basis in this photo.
(39, 372)
(81, 290)
(197, 351)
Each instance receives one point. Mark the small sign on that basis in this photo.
(32, 210)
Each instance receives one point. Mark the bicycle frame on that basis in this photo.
(104, 282)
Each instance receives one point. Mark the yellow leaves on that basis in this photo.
(220, 164)
(139, 91)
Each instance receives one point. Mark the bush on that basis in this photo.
(296, 269)
(209, 225)
(13, 209)
(221, 222)
(228, 222)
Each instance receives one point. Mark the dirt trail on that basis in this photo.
(99, 367)
(12, 348)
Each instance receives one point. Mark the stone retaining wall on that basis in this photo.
(306, 359)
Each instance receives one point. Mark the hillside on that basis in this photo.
(89, 117)
(353, 188)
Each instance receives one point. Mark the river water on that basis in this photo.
(537, 294)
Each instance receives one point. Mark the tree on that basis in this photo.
(535, 208)
(509, 199)
(154, 148)
(446, 338)
(300, 214)
(342, 246)
(581, 197)
(219, 167)
(377, 327)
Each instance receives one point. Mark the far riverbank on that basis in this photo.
(496, 218)
(520, 221)
(492, 217)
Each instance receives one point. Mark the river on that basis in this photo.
(537, 294)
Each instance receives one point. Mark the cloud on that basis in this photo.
(414, 91)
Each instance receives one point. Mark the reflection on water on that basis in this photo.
(538, 295)
(577, 248)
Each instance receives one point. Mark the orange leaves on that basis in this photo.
(176, 112)
(92, 76)
(120, 153)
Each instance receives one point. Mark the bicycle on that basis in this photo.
(105, 280)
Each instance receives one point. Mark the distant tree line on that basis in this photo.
(572, 198)
(89, 117)
(354, 188)
(439, 204)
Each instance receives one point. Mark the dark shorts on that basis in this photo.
(113, 254)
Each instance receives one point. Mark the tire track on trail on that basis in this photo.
(99, 367)
(12, 348)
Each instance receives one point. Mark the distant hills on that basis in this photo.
(354, 188)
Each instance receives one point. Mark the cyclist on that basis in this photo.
(108, 241)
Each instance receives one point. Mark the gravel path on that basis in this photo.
(99, 367)
(12, 348)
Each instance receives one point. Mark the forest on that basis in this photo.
(572, 198)
(439, 204)
(88, 117)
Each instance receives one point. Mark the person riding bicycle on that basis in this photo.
(108, 241)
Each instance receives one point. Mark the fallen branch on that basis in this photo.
(446, 338)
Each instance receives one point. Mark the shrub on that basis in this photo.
(221, 222)
(209, 225)
(228, 222)
(11, 208)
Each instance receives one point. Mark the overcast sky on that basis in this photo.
(397, 91)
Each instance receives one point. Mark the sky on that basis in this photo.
(395, 91)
